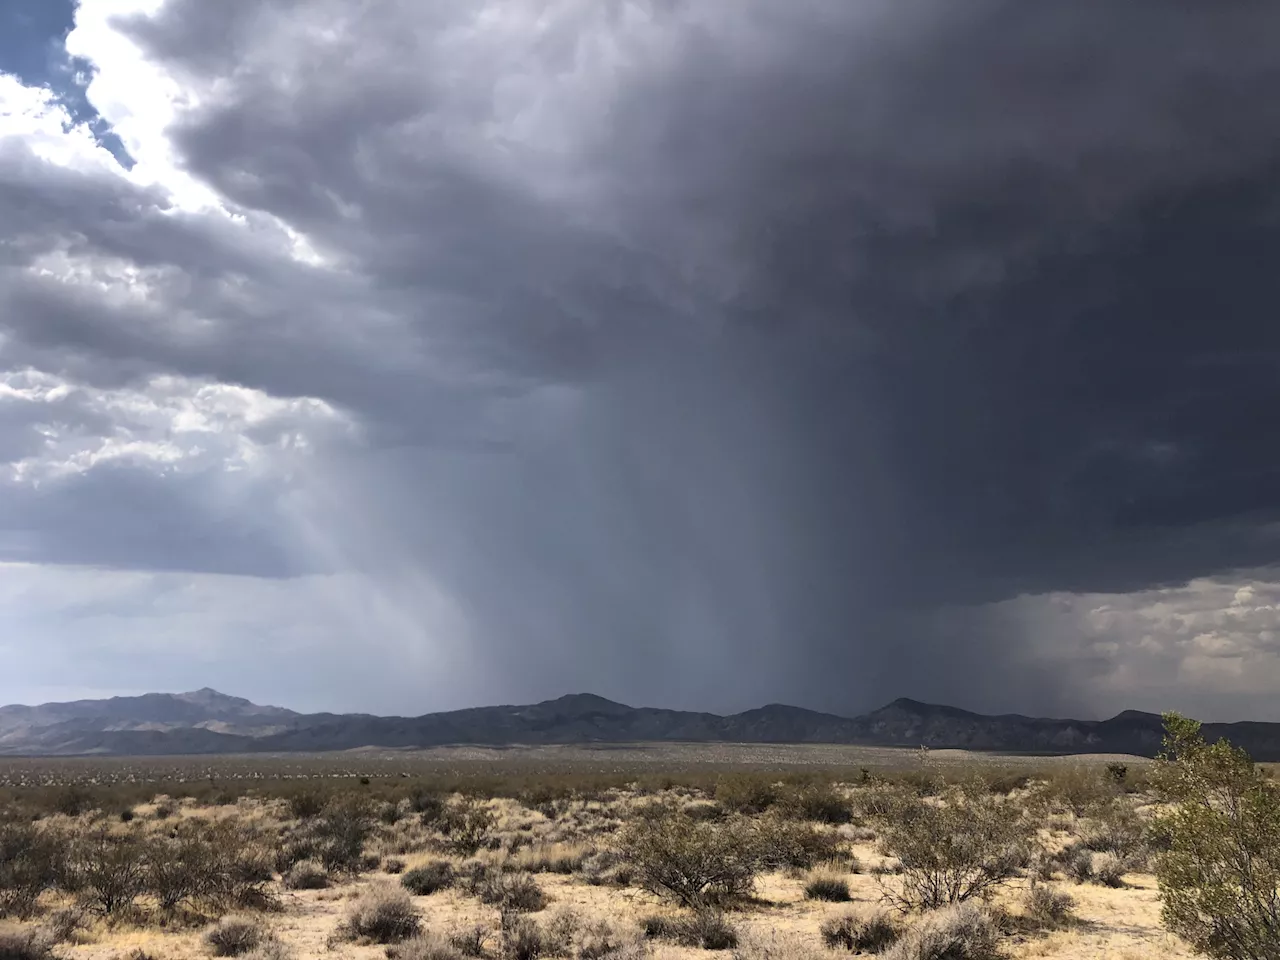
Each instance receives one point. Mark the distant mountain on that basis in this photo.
(206, 722)
(201, 717)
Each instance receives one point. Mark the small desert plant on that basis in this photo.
(1077, 863)
(19, 944)
(383, 914)
(828, 887)
(1109, 870)
(688, 860)
(66, 924)
(519, 938)
(963, 931)
(427, 879)
(957, 849)
(306, 875)
(872, 935)
(269, 949)
(1046, 908)
(339, 835)
(234, 936)
(393, 866)
(702, 928)
(512, 892)
(427, 946)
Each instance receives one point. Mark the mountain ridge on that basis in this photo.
(206, 721)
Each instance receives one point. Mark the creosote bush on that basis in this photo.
(1220, 871)
(17, 943)
(693, 862)
(704, 928)
(1046, 908)
(958, 848)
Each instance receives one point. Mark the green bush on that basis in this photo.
(694, 862)
(780, 843)
(111, 868)
(1218, 877)
(962, 847)
(427, 879)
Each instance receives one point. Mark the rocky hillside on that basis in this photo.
(210, 722)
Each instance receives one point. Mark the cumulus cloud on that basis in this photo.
(700, 353)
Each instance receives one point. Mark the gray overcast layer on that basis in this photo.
(696, 353)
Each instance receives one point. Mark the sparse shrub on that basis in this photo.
(180, 869)
(1115, 828)
(519, 938)
(880, 800)
(872, 935)
(306, 875)
(234, 936)
(66, 924)
(559, 932)
(710, 930)
(73, 800)
(1046, 908)
(31, 859)
(1117, 772)
(390, 814)
(828, 887)
(467, 825)
(690, 861)
(961, 848)
(429, 805)
(393, 866)
(1078, 789)
(600, 941)
(512, 892)
(771, 945)
(746, 793)
(1109, 870)
(305, 804)
(782, 843)
(111, 869)
(820, 802)
(1077, 863)
(427, 879)
(269, 949)
(382, 914)
(701, 928)
(19, 944)
(963, 931)
(127, 815)
(427, 946)
(471, 942)
(339, 835)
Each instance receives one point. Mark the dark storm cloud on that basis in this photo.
(683, 333)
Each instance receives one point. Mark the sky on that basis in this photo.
(408, 356)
